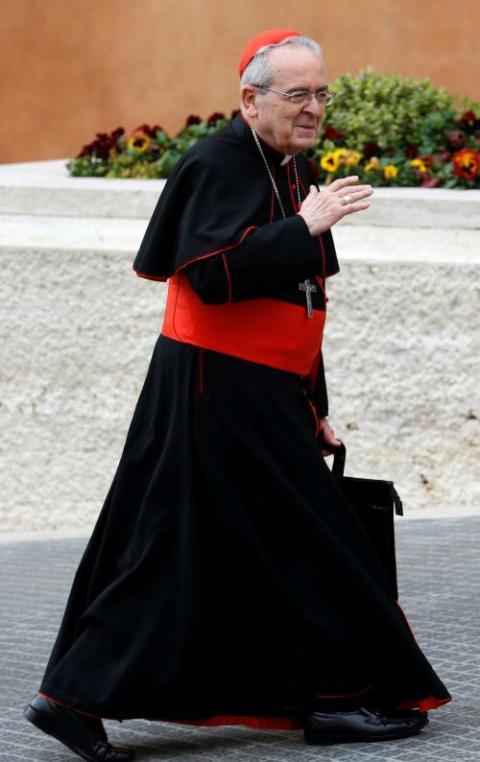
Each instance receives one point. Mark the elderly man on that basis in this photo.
(227, 579)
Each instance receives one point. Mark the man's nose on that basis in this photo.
(313, 106)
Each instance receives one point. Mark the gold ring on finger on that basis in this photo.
(348, 199)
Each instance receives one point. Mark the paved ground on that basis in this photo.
(439, 573)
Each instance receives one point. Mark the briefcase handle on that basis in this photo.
(338, 467)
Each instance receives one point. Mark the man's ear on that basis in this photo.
(248, 96)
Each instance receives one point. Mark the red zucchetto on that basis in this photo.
(269, 37)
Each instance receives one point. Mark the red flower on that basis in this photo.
(192, 119)
(411, 150)
(431, 182)
(466, 163)
(331, 133)
(215, 117)
(456, 138)
(103, 143)
(427, 160)
(371, 149)
(150, 131)
(468, 121)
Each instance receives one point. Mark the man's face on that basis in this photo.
(288, 127)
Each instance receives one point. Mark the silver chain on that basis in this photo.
(274, 184)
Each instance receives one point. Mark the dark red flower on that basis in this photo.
(150, 131)
(371, 149)
(234, 113)
(431, 182)
(331, 133)
(411, 150)
(103, 143)
(469, 121)
(427, 160)
(215, 117)
(456, 138)
(192, 119)
(117, 133)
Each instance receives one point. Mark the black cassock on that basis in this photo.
(227, 579)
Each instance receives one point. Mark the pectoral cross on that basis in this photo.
(309, 289)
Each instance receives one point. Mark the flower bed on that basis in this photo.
(387, 129)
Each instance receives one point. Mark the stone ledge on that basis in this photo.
(46, 188)
(27, 234)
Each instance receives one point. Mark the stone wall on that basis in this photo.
(77, 330)
(70, 69)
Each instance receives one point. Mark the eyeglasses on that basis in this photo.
(302, 97)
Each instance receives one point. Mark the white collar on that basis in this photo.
(285, 160)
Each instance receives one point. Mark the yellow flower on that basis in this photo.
(341, 154)
(353, 158)
(390, 172)
(372, 164)
(329, 161)
(139, 142)
(420, 165)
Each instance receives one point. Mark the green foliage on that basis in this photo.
(390, 110)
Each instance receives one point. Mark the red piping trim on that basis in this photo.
(219, 251)
(60, 703)
(229, 280)
(163, 278)
(314, 413)
(290, 183)
(408, 624)
(149, 277)
(303, 186)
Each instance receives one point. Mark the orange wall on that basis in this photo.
(70, 68)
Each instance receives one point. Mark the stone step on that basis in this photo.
(46, 188)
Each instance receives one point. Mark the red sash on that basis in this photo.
(266, 331)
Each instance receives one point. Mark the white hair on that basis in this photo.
(258, 70)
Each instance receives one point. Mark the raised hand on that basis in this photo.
(322, 210)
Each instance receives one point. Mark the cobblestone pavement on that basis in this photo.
(439, 573)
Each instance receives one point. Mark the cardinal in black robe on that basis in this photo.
(228, 579)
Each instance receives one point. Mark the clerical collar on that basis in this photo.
(285, 159)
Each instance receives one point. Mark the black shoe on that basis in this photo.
(361, 725)
(81, 734)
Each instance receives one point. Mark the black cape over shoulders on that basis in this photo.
(218, 190)
(227, 579)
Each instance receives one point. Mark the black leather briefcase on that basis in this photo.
(375, 501)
